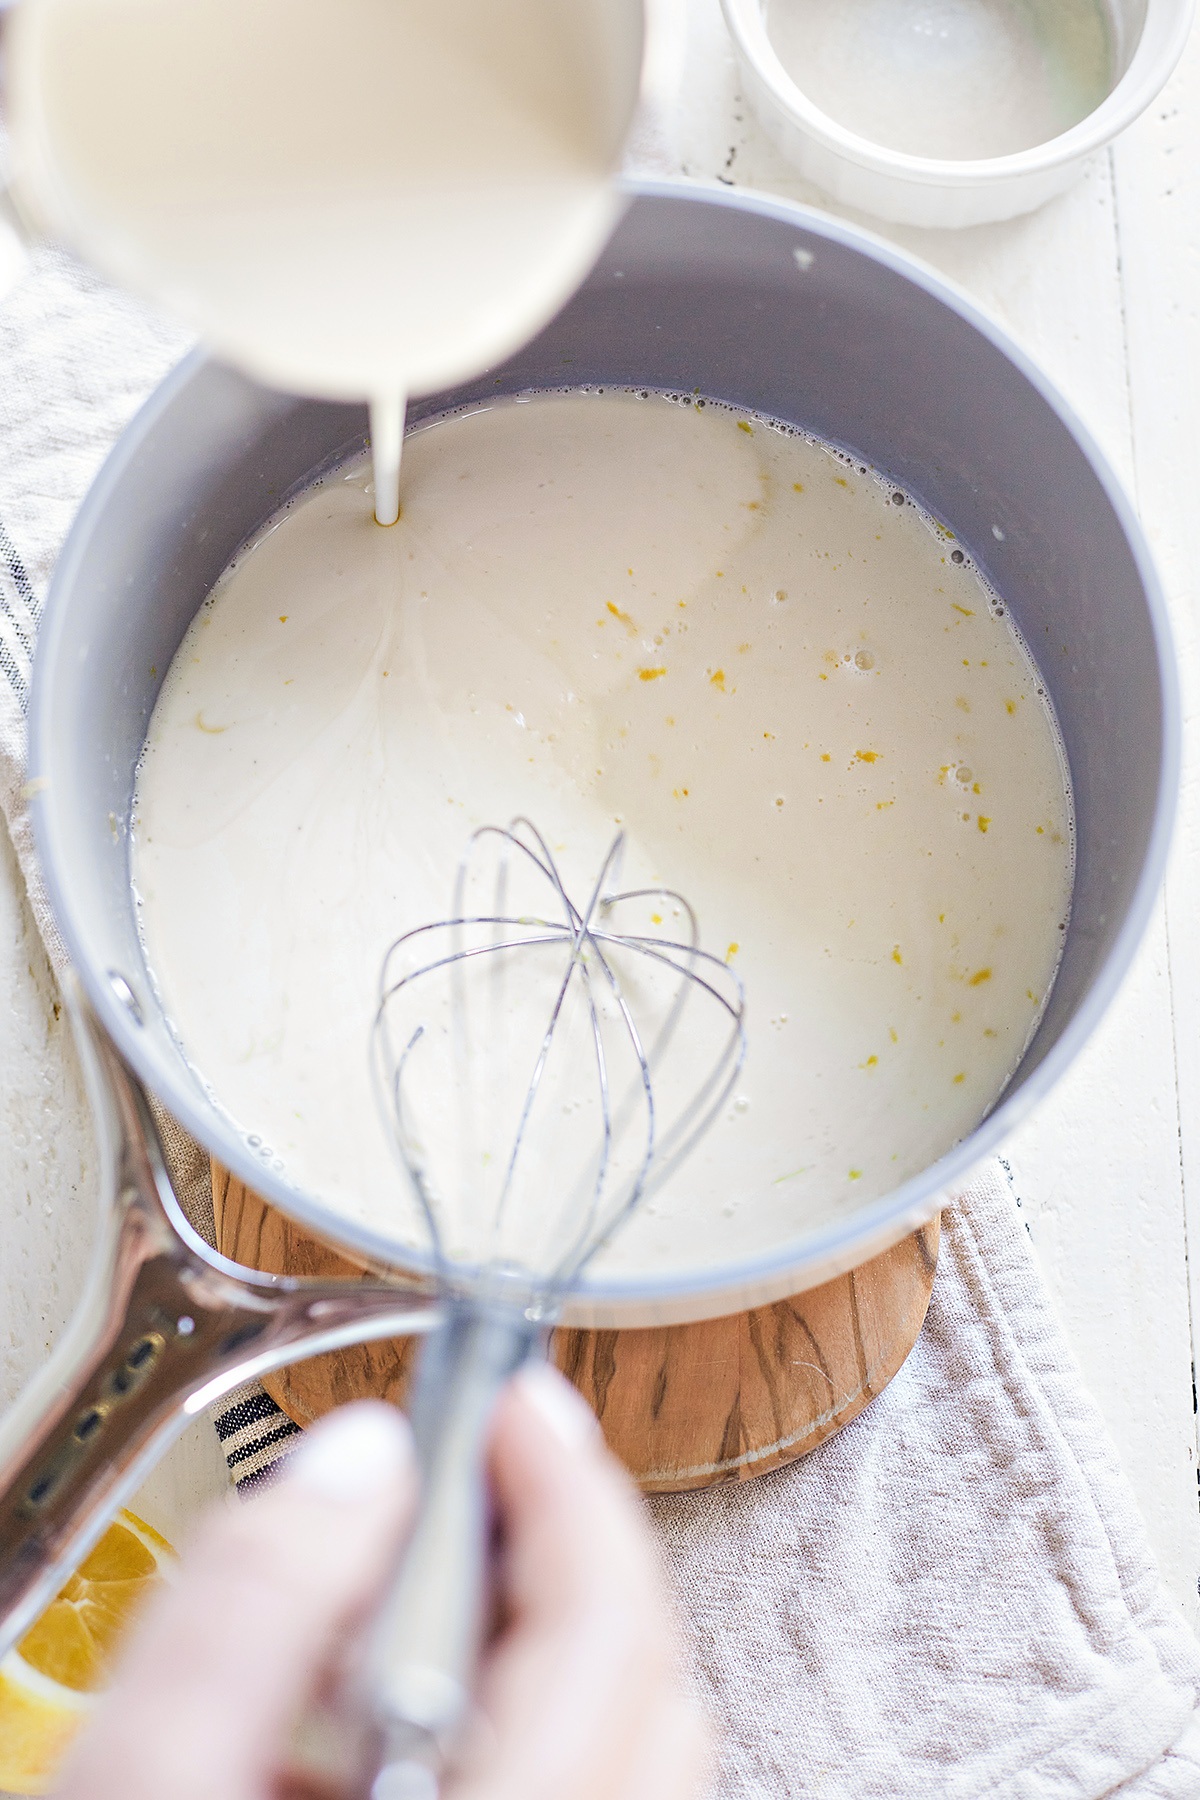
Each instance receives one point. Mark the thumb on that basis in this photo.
(233, 1650)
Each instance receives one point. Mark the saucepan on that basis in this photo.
(765, 304)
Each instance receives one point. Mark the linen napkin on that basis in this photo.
(954, 1597)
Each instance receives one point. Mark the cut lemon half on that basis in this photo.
(50, 1683)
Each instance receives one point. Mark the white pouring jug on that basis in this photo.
(353, 202)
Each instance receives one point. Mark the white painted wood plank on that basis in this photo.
(1157, 172)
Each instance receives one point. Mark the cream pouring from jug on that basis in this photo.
(353, 202)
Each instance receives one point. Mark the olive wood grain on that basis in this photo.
(683, 1406)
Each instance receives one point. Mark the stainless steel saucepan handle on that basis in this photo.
(165, 1327)
(429, 1633)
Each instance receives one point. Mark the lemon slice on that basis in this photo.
(50, 1683)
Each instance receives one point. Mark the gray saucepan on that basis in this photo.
(757, 302)
(773, 307)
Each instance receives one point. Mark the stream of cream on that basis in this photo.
(610, 611)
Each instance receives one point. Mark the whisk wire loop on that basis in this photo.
(635, 1148)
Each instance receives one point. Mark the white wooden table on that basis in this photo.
(1103, 287)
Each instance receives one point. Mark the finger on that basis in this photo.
(214, 1680)
(673, 1756)
(586, 1660)
(573, 1519)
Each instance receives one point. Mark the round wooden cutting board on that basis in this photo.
(683, 1406)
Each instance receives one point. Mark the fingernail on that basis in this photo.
(562, 1407)
(353, 1453)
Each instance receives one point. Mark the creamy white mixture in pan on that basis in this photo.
(787, 685)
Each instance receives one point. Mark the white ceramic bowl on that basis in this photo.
(915, 190)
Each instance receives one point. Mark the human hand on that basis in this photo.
(578, 1694)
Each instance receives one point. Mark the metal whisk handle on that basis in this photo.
(429, 1632)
